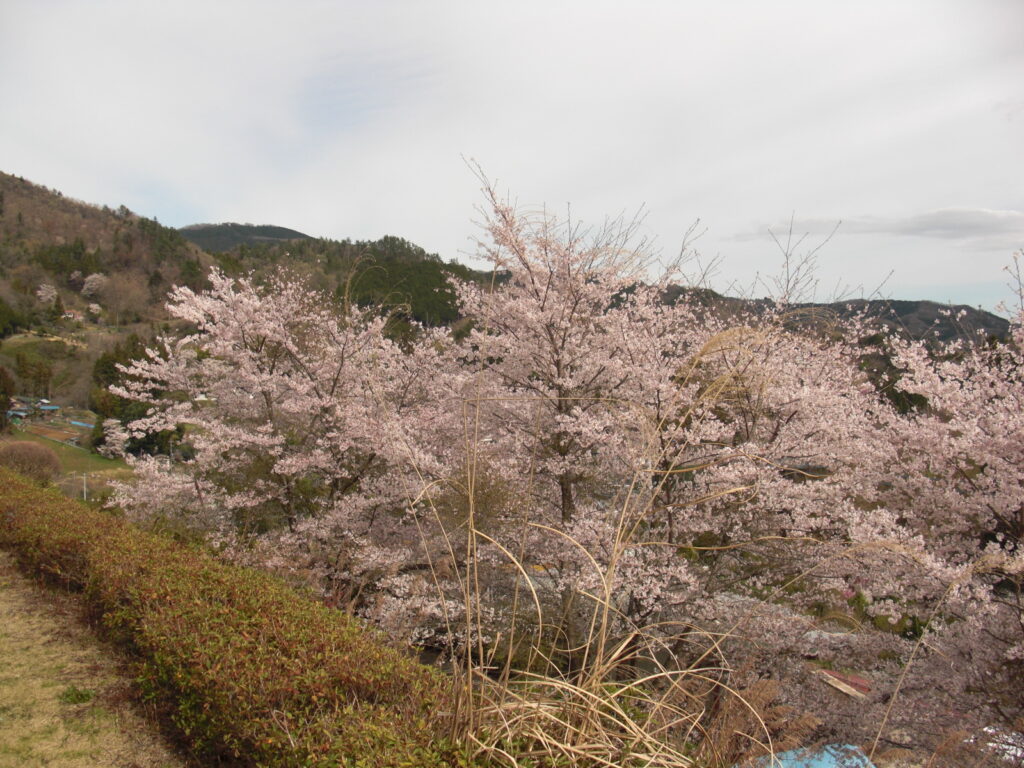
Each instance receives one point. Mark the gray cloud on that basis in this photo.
(1011, 110)
(976, 227)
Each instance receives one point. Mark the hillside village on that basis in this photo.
(39, 416)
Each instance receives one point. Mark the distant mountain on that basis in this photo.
(911, 319)
(929, 319)
(51, 241)
(219, 238)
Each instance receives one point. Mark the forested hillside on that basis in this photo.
(391, 272)
(88, 276)
(49, 239)
(77, 280)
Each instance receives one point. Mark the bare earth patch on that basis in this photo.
(64, 701)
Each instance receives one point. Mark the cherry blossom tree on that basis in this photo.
(305, 422)
(559, 405)
(94, 284)
(961, 489)
(631, 458)
(46, 294)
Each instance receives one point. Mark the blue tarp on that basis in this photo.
(829, 756)
(83, 424)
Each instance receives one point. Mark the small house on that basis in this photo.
(16, 415)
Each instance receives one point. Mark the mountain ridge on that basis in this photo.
(218, 238)
(85, 279)
(46, 236)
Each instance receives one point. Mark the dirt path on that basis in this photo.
(64, 701)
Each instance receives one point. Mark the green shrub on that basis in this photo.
(243, 666)
(75, 695)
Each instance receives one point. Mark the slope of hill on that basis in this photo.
(83, 277)
(79, 277)
(47, 238)
(217, 238)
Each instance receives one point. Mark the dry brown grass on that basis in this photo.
(64, 700)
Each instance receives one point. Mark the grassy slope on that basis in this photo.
(72, 458)
(75, 461)
(63, 699)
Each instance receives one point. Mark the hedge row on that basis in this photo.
(247, 669)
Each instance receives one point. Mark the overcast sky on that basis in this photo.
(904, 121)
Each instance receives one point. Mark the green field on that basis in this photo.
(75, 462)
(73, 459)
